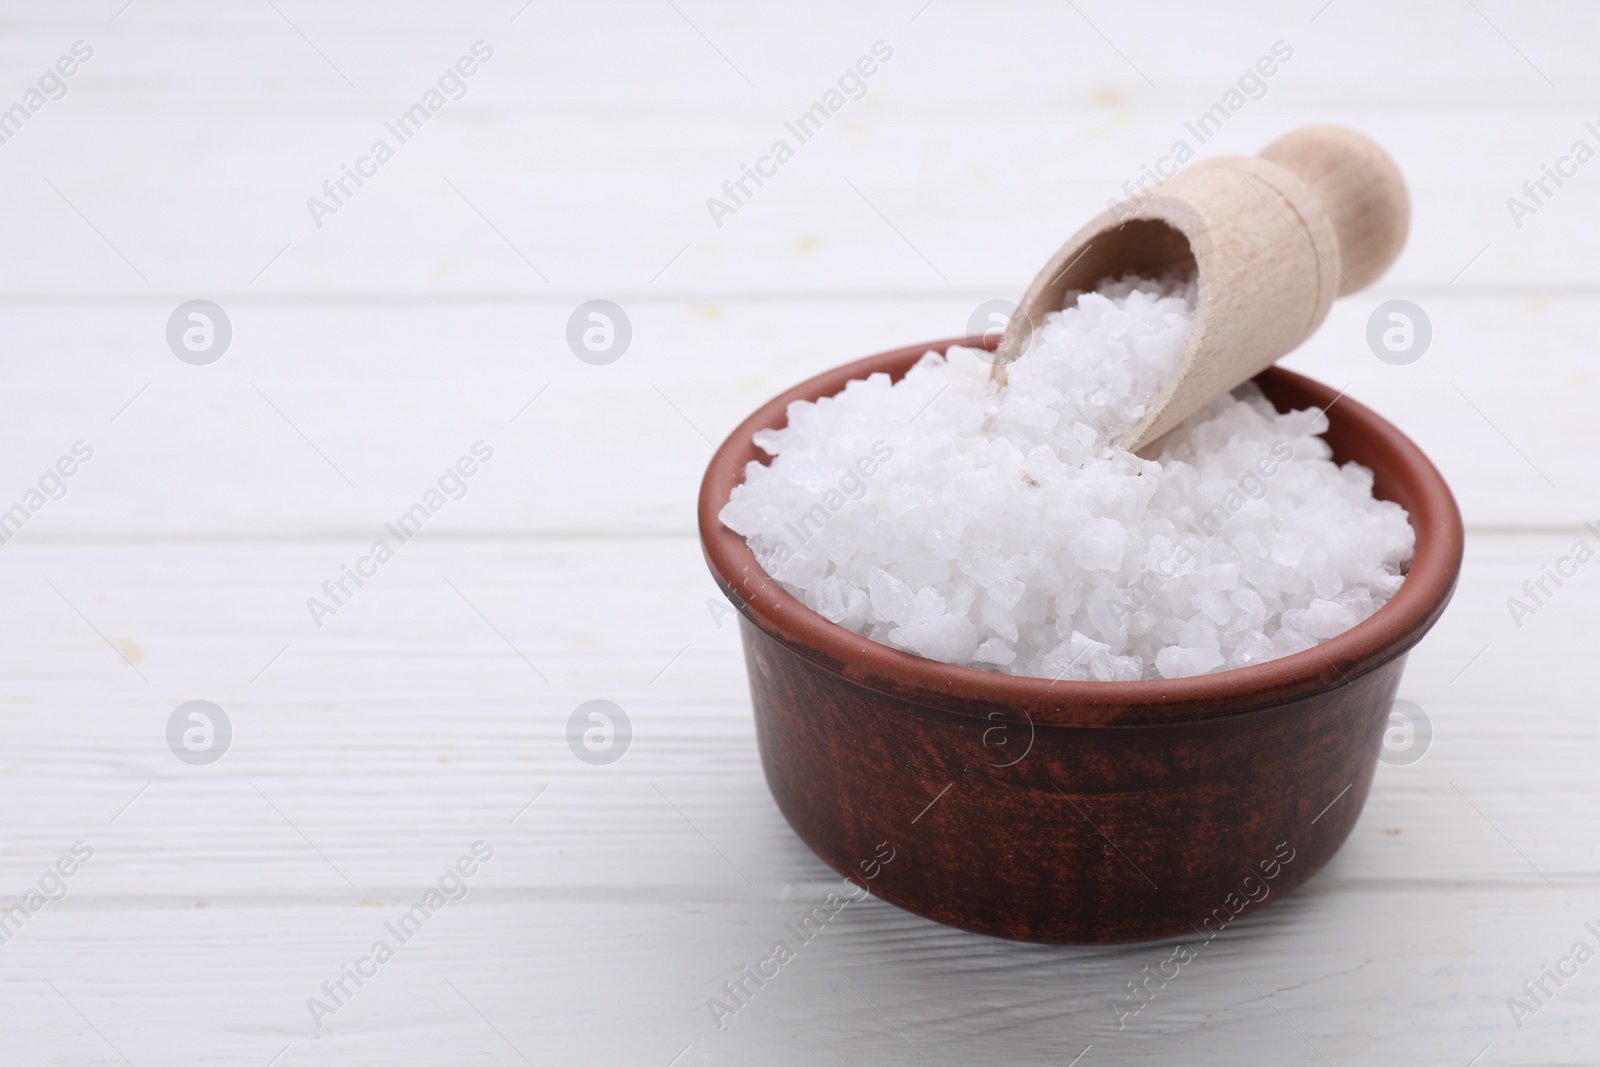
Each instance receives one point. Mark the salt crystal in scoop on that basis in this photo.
(996, 527)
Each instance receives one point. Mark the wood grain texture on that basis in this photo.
(372, 752)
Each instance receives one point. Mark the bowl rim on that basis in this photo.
(1390, 632)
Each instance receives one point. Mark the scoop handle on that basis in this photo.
(1361, 190)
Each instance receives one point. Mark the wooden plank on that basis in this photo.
(1440, 54)
(561, 169)
(1353, 973)
(330, 420)
(559, 207)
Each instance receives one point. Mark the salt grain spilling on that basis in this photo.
(996, 526)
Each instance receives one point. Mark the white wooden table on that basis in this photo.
(429, 712)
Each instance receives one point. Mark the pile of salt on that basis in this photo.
(997, 527)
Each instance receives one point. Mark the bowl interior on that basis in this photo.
(1401, 473)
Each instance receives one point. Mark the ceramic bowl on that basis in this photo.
(1077, 812)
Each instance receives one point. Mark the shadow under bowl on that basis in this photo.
(1077, 812)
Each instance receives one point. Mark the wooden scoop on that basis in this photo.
(1274, 238)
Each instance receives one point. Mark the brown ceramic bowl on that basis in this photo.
(1077, 812)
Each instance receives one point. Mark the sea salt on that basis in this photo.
(997, 527)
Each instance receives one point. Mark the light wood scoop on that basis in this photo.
(1273, 238)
